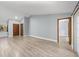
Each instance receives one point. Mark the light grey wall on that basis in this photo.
(76, 32)
(45, 25)
(26, 25)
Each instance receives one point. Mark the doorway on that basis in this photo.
(64, 32)
(17, 29)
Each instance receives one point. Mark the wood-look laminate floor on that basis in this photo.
(31, 47)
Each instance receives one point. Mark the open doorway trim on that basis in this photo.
(69, 30)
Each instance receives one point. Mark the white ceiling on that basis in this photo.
(39, 7)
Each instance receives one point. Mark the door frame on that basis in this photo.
(21, 29)
(69, 30)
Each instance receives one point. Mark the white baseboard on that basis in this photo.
(43, 38)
